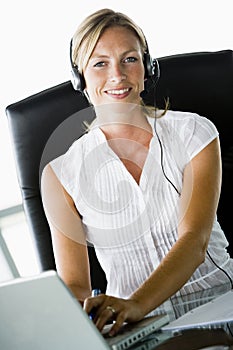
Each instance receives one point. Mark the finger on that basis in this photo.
(103, 318)
(120, 319)
(103, 303)
(93, 302)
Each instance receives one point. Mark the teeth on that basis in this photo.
(118, 92)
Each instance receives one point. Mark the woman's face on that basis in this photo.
(115, 71)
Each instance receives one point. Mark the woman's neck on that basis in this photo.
(138, 132)
(122, 120)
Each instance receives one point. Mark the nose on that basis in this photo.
(117, 73)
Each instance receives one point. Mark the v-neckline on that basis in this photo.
(114, 154)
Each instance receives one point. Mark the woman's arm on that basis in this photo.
(198, 205)
(69, 243)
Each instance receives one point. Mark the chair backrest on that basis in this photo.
(197, 82)
(32, 122)
(202, 82)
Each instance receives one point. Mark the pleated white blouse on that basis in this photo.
(133, 226)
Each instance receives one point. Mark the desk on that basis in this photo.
(217, 337)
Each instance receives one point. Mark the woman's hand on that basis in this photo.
(110, 308)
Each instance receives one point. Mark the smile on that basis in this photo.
(118, 92)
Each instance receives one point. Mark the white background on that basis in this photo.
(35, 36)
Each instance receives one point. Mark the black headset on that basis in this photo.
(151, 66)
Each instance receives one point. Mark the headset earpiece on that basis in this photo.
(151, 68)
(152, 74)
(152, 71)
(77, 78)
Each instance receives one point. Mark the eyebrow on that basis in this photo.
(106, 56)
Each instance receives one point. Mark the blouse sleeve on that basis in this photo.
(198, 133)
(66, 167)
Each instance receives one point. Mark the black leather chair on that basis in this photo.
(198, 82)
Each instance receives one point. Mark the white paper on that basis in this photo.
(216, 312)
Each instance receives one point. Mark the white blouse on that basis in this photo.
(131, 226)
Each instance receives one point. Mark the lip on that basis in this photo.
(118, 93)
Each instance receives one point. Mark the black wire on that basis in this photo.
(161, 159)
(229, 329)
(220, 268)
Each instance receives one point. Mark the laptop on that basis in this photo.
(41, 313)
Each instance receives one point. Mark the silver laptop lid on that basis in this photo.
(40, 313)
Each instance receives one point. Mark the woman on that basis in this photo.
(152, 221)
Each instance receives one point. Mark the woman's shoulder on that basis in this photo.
(186, 120)
(76, 151)
(80, 144)
(177, 116)
(184, 116)
(190, 129)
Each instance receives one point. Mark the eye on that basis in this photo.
(99, 64)
(130, 59)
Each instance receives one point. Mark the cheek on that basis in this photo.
(91, 95)
(140, 77)
(93, 82)
(90, 88)
(87, 80)
(139, 73)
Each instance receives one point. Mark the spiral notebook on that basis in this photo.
(41, 313)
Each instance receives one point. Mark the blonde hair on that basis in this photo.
(90, 30)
